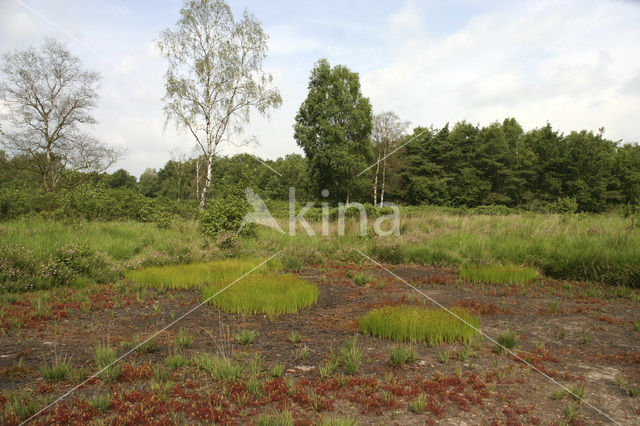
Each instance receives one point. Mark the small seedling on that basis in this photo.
(558, 394)
(630, 390)
(419, 404)
(60, 369)
(303, 353)
(636, 326)
(577, 392)
(183, 339)
(101, 402)
(506, 341)
(444, 357)
(351, 355)
(402, 355)
(295, 337)
(175, 361)
(104, 357)
(277, 370)
(246, 337)
(362, 279)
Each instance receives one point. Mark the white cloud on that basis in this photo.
(553, 62)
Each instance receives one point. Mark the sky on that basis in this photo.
(574, 64)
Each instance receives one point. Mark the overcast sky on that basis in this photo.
(575, 64)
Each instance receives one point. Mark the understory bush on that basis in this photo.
(226, 215)
(22, 270)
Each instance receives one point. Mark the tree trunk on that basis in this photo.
(207, 184)
(197, 176)
(375, 183)
(384, 176)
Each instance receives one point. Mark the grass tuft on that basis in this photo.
(402, 355)
(416, 324)
(498, 274)
(351, 355)
(104, 356)
(246, 337)
(507, 340)
(220, 367)
(281, 418)
(60, 369)
(101, 402)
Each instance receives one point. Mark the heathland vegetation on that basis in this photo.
(532, 236)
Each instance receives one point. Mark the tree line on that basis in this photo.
(215, 79)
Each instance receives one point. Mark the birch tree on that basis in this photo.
(49, 100)
(215, 76)
(386, 134)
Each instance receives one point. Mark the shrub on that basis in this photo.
(417, 324)
(225, 215)
(85, 261)
(565, 205)
(387, 252)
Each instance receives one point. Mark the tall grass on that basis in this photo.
(417, 324)
(274, 295)
(265, 291)
(197, 275)
(498, 274)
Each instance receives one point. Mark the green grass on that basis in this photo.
(351, 355)
(60, 369)
(295, 337)
(176, 361)
(281, 418)
(277, 370)
(273, 294)
(246, 337)
(104, 356)
(416, 324)
(418, 404)
(402, 355)
(507, 340)
(101, 402)
(498, 274)
(362, 279)
(183, 339)
(220, 367)
(265, 291)
(198, 275)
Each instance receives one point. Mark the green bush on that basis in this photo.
(565, 205)
(388, 252)
(225, 215)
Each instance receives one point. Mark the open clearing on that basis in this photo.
(308, 363)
